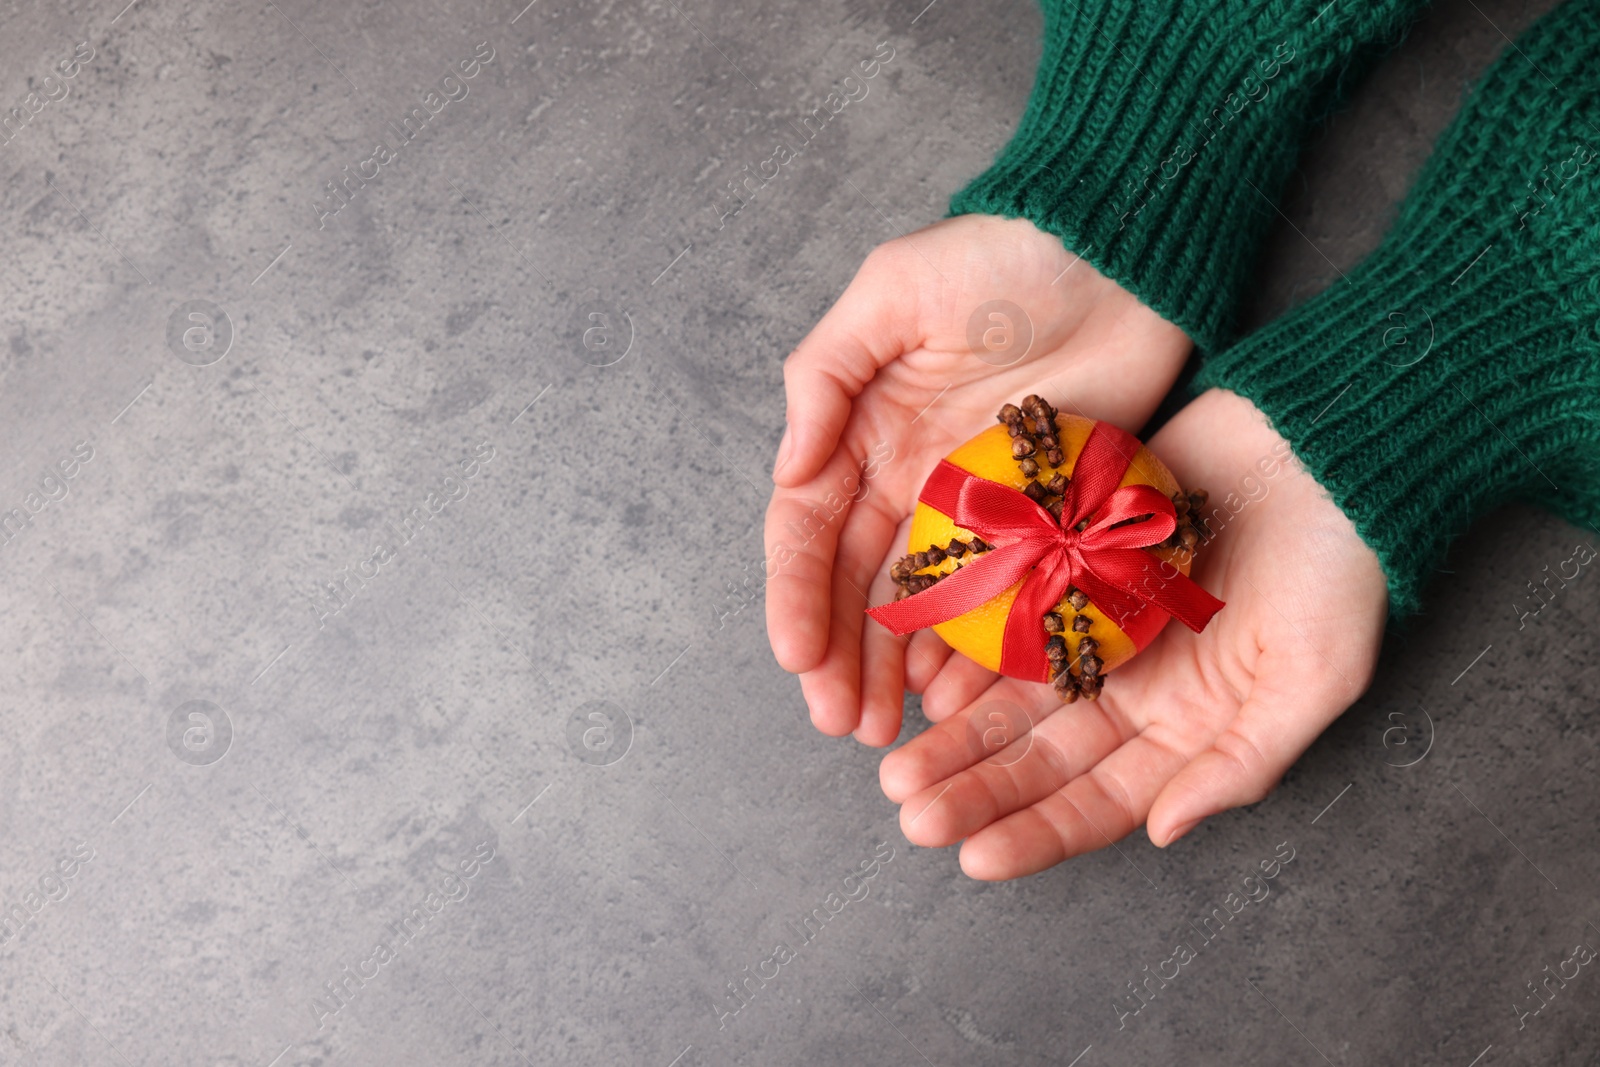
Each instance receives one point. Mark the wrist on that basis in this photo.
(1419, 416)
(1150, 141)
(1458, 367)
(1041, 319)
(1263, 502)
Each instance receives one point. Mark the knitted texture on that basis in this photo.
(1160, 132)
(1459, 366)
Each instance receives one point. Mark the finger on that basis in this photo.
(1033, 766)
(957, 685)
(869, 325)
(1278, 722)
(925, 656)
(833, 688)
(883, 663)
(1093, 810)
(802, 535)
(1007, 713)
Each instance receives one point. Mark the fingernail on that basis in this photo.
(783, 452)
(1180, 831)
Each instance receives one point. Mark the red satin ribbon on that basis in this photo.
(1104, 560)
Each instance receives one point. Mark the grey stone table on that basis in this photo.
(385, 678)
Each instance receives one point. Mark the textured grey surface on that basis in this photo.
(605, 553)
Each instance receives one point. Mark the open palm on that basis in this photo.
(1196, 724)
(888, 383)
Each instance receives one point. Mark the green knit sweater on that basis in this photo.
(1455, 369)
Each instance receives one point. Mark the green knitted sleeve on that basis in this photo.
(1459, 366)
(1159, 134)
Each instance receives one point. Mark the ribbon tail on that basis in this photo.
(1125, 583)
(1022, 647)
(961, 590)
(1192, 605)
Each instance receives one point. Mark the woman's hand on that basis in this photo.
(892, 371)
(1194, 725)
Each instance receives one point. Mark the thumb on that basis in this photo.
(870, 325)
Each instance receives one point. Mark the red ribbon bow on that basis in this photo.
(1104, 559)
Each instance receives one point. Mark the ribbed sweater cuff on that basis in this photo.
(1158, 136)
(1459, 366)
(1413, 452)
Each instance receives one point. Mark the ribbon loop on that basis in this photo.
(1132, 500)
(1105, 559)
